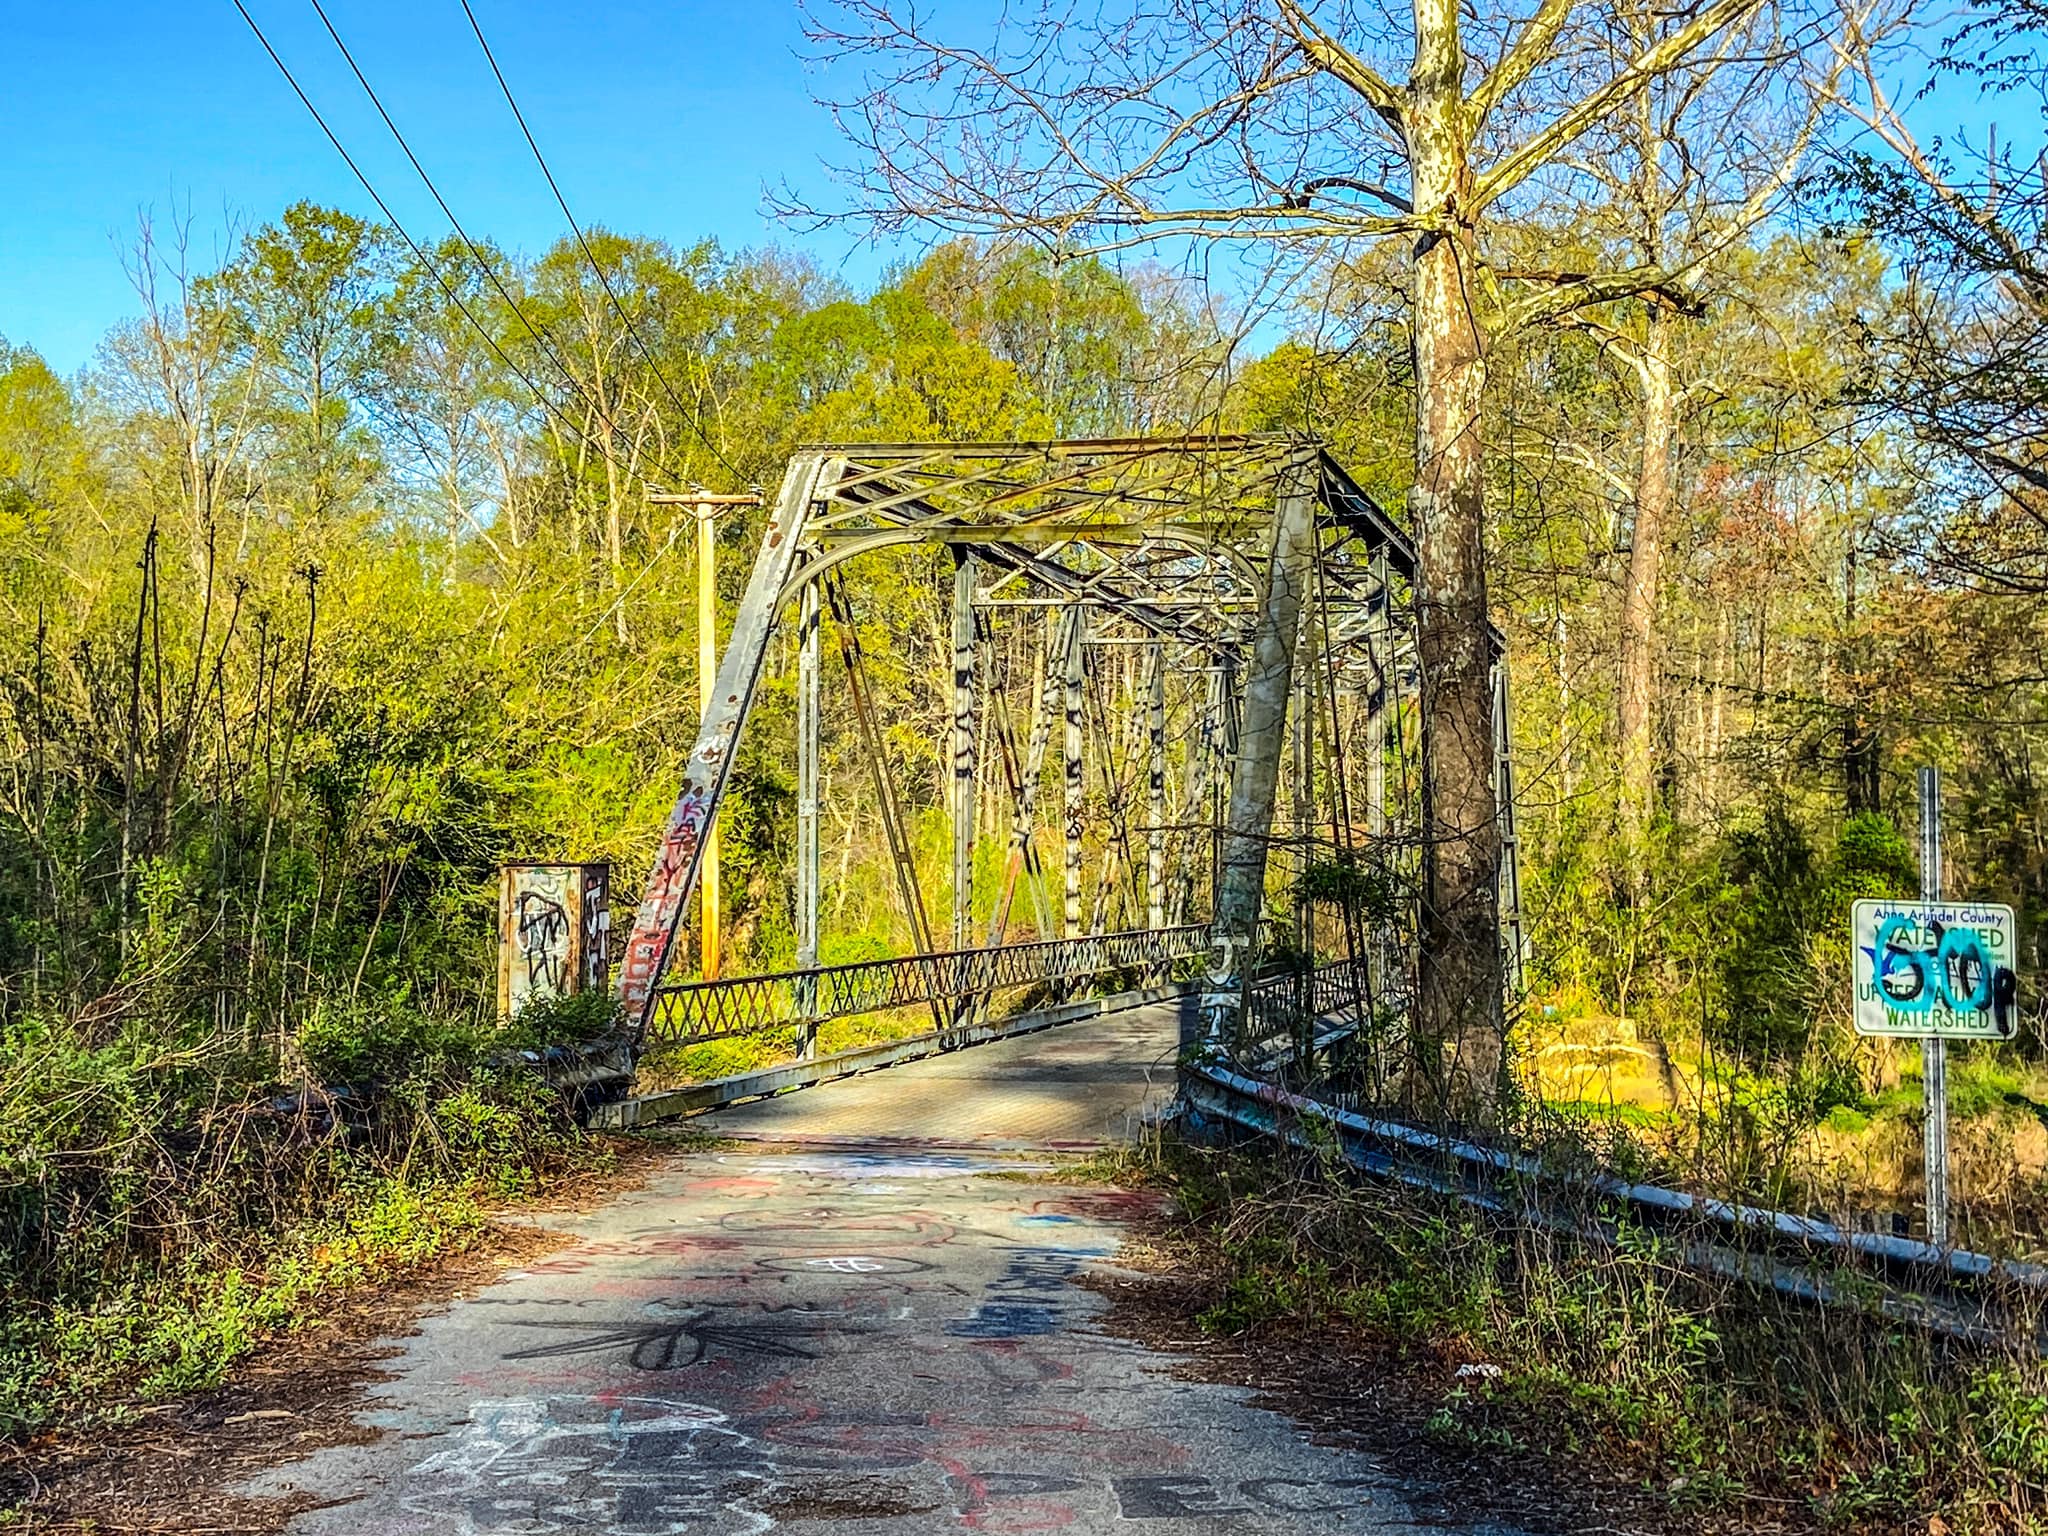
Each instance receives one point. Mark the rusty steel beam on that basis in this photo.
(674, 874)
(1269, 681)
(809, 865)
(1155, 787)
(1074, 678)
(966, 778)
(907, 888)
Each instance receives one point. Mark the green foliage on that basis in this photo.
(162, 1208)
(349, 1041)
(180, 1328)
(1704, 1387)
(1368, 889)
(1785, 904)
(557, 1019)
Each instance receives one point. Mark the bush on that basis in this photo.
(1717, 1391)
(168, 1196)
(1784, 926)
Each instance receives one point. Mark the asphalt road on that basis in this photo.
(808, 1334)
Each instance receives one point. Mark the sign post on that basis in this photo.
(1934, 971)
(1933, 1048)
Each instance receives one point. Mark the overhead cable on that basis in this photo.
(383, 207)
(542, 337)
(591, 256)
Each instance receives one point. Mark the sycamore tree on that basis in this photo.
(1277, 125)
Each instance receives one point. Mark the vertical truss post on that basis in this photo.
(1302, 801)
(1073, 706)
(1268, 684)
(1222, 756)
(966, 802)
(1198, 813)
(1022, 783)
(682, 843)
(1513, 940)
(808, 863)
(1155, 790)
(1379, 656)
(1378, 651)
(1248, 827)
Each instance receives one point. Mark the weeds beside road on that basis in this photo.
(1721, 1406)
(165, 1204)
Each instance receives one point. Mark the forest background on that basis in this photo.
(332, 583)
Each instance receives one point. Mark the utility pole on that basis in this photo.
(707, 508)
(707, 679)
(1933, 1048)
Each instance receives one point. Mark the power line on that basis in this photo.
(541, 335)
(385, 208)
(589, 255)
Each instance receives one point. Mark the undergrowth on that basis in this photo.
(169, 1198)
(1713, 1392)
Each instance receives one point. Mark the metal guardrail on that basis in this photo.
(689, 1013)
(1952, 1291)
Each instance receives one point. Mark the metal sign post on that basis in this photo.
(1935, 971)
(1934, 1049)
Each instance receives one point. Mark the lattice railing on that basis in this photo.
(690, 1012)
(1286, 1011)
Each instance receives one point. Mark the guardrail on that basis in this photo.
(689, 1013)
(1953, 1291)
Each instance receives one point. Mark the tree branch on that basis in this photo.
(1333, 58)
(1530, 49)
(1575, 290)
(1386, 195)
(1542, 146)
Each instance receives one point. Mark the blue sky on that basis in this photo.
(658, 118)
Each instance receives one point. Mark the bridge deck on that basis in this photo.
(1073, 1087)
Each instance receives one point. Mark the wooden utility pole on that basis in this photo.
(707, 507)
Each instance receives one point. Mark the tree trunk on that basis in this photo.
(1862, 749)
(1458, 1025)
(1639, 591)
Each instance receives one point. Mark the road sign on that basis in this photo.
(1934, 969)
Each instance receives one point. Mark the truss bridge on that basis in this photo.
(1076, 718)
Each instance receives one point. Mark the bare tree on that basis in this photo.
(1702, 157)
(1964, 359)
(1261, 121)
(182, 375)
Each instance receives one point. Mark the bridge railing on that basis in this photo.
(690, 1013)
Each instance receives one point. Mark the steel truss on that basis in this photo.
(1263, 586)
